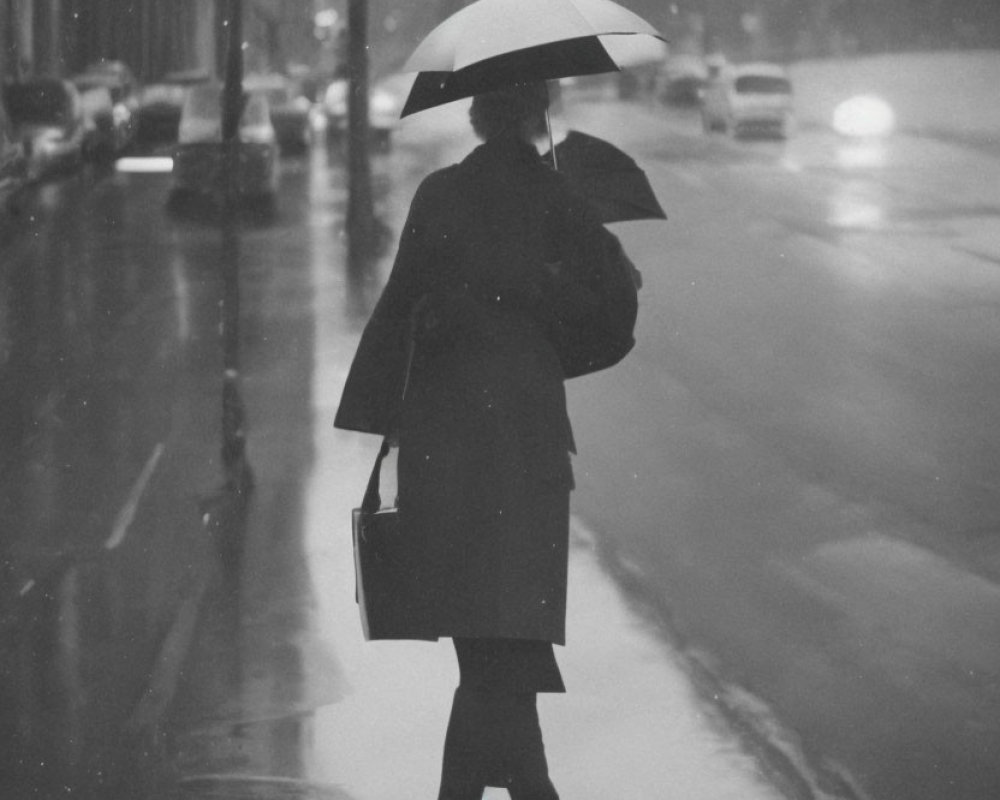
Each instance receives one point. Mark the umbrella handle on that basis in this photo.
(552, 144)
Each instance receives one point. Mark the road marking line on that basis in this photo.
(127, 513)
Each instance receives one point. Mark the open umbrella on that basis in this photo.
(495, 43)
(608, 178)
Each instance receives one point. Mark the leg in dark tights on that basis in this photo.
(526, 768)
(494, 739)
(463, 769)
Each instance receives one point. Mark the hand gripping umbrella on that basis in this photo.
(496, 43)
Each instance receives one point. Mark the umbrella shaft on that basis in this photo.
(552, 144)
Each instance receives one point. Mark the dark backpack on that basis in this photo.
(599, 331)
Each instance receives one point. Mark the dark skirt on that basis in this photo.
(512, 666)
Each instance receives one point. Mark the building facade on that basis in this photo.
(60, 37)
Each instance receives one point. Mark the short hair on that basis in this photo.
(506, 109)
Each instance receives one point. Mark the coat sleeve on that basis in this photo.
(371, 398)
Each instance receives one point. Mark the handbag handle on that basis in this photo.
(372, 501)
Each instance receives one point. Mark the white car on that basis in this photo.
(291, 110)
(749, 99)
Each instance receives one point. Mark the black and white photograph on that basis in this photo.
(488, 399)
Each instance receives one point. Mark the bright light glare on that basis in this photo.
(149, 165)
(864, 116)
(383, 103)
(326, 18)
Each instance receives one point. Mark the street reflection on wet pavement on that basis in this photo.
(106, 435)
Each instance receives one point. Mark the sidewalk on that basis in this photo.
(280, 696)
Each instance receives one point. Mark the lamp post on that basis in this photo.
(232, 97)
(224, 512)
(233, 100)
(361, 224)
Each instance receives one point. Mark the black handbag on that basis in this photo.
(604, 336)
(595, 333)
(387, 589)
(388, 593)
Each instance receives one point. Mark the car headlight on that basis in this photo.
(383, 103)
(864, 116)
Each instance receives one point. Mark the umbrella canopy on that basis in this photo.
(495, 43)
(615, 185)
(634, 51)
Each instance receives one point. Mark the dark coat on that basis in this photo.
(484, 465)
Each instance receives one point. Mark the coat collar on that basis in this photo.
(504, 151)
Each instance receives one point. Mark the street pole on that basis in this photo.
(233, 434)
(361, 225)
(232, 97)
(224, 511)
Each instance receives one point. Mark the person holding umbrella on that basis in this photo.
(505, 284)
(495, 265)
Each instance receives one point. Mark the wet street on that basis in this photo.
(784, 570)
(800, 463)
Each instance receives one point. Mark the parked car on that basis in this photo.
(13, 163)
(684, 90)
(47, 119)
(749, 99)
(291, 110)
(385, 102)
(158, 117)
(681, 80)
(110, 97)
(100, 140)
(198, 156)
